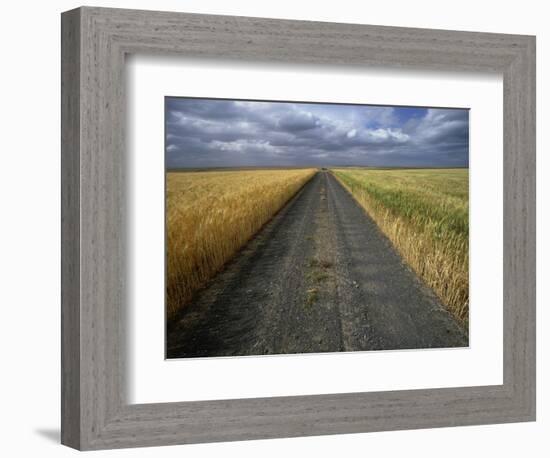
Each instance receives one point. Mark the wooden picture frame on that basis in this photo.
(95, 411)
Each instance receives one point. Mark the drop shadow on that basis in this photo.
(53, 435)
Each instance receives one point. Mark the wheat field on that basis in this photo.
(210, 215)
(424, 212)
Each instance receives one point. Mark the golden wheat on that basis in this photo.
(210, 215)
(425, 215)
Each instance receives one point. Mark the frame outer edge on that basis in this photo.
(532, 253)
(528, 193)
(520, 233)
(70, 228)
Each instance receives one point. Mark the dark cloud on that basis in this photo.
(298, 121)
(225, 133)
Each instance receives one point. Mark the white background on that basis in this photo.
(155, 380)
(29, 233)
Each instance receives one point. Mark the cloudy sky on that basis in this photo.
(227, 133)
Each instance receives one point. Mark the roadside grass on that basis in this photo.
(424, 212)
(210, 215)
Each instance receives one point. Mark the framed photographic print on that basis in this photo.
(290, 182)
(285, 228)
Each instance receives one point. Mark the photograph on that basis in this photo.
(307, 227)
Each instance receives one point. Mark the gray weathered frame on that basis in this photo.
(95, 413)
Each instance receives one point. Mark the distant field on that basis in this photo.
(424, 212)
(210, 215)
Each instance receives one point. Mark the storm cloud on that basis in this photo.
(227, 133)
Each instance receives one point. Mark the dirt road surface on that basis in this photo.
(319, 277)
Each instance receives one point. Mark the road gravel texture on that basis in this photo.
(319, 277)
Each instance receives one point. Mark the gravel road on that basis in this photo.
(319, 277)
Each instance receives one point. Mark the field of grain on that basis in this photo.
(424, 212)
(210, 215)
